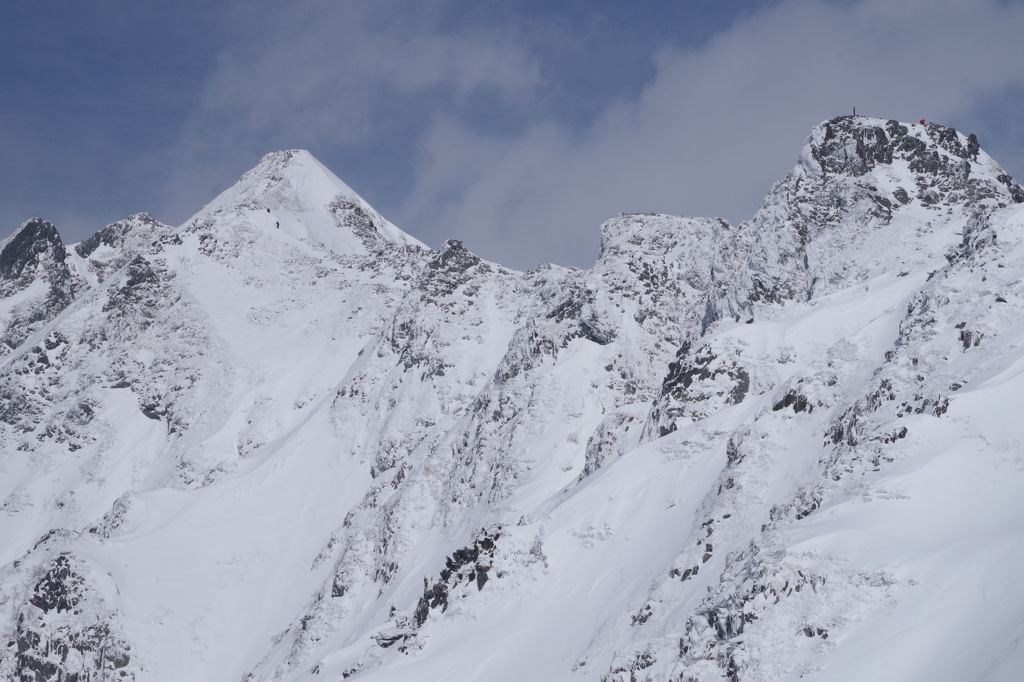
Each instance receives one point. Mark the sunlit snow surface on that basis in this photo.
(297, 444)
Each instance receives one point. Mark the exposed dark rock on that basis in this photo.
(35, 241)
(468, 565)
(452, 267)
(610, 440)
(972, 146)
(1015, 190)
(65, 634)
(453, 257)
(794, 399)
(35, 252)
(348, 214)
(529, 347)
(388, 639)
(851, 148)
(977, 235)
(592, 330)
(697, 384)
(637, 662)
(58, 589)
(143, 295)
(969, 338)
(642, 616)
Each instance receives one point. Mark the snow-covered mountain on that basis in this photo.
(286, 441)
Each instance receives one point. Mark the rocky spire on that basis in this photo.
(36, 245)
(35, 253)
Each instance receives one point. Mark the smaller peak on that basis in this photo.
(34, 235)
(139, 227)
(37, 228)
(453, 245)
(28, 245)
(454, 256)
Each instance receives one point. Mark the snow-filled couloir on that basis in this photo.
(286, 441)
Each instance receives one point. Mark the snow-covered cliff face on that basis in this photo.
(286, 441)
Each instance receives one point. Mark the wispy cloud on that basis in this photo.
(317, 73)
(707, 135)
(716, 126)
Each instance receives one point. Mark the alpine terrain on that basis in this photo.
(286, 441)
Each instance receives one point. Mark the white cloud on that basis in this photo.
(322, 66)
(716, 126)
(318, 72)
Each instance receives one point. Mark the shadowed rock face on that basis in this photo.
(35, 253)
(698, 384)
(111, 235)
(36, 245)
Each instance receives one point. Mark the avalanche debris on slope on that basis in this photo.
(297, 444)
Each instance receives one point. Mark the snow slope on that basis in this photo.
(286, 441)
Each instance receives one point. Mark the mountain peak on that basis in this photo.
(304, 199)
(113, 246)
(928, 154)
(35, 282)
(28, 247)
(867, 196)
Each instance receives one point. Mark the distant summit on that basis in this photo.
(35, 282)
(945, 163)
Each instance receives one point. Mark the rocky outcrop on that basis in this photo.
(66, 632)
(115, 245)
(35, 282)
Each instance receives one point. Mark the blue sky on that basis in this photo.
(516, 126)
